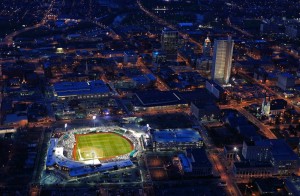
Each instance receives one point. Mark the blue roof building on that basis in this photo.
(176, 139)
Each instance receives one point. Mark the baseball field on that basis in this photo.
(100, 146)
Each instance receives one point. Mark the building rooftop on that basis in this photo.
(278, 104)
(280, 149)
(216, 85)
(286, 75)
(268, 186)
(198, 157)
(292, 185)
(176, 135)
(168, 30)
(253, 164)
(153, 97)
(62, 89)
(130, 53)
(200, 95)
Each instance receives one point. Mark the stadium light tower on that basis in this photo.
(93, 155)
(66, 125)
(94, 119)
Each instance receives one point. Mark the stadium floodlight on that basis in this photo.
(94, 119)
(93, 155)
(66, 125)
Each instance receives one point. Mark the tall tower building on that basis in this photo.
(207, 47)
(169, 43)
(222, 60)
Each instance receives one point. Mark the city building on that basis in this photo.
(15, 120)
(205, 111)
(261, 74)
(231, 152)
(207, 50)
(252, 169)
(130, 57)
(277, 106)
(292, 185)
(169, 43)
(285, 81)
(215, 89)
(256, 151)
(175, 139)
(157, 100)
(199, 95)
(204, 63)
(194, 162)
(80, 90)
(285, 161)
(275, 151)
(293, 30)
(274, 107)
(222, 60)
(269, 186)
(158, 57)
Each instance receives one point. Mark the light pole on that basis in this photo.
(66, 125)
(93, 155)
(235, 149)
(94, 119)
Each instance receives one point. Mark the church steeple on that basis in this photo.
(24, 80)
(207, 47)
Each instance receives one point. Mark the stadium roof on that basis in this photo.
(80, 171)
(176, 135)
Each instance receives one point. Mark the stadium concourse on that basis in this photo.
(61, 150)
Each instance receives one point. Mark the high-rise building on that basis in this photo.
(169, 43)
(207, 47)
(222, 60)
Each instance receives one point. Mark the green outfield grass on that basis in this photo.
(101, 146)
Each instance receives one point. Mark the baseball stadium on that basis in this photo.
(90, 150)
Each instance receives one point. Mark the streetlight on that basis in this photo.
(66, 125)
(94, 119)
